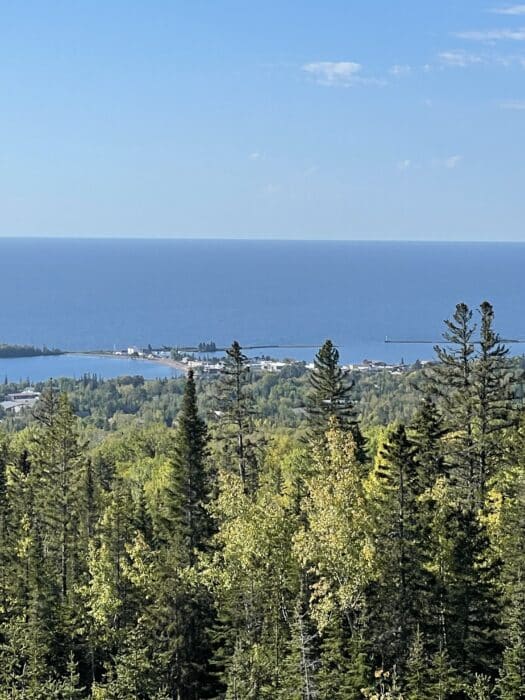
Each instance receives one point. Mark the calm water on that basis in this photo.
(40, 369)
(92, 294)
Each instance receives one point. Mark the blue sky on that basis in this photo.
(263, 119)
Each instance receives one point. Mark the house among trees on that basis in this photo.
(17, 401)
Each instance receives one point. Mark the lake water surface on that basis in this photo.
(40, 369)
(102, 294)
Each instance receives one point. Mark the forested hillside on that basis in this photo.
(308, 536)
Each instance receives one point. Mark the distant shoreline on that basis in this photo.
(166, 361)
(10, 351)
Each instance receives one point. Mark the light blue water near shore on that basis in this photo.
(40, 369)
(92, 294)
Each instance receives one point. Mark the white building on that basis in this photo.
(17, 401)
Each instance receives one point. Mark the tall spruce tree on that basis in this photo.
(236, 413)
(426, 433)
(189, 494)
(473, 605)
(57, 454)
(494, 386)
(416, 675)
(58, 487)
(451, 382)
(397, 602)
(329, 400)
(475, 390)
(190, 484)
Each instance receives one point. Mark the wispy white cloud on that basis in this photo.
(459, 58)
(452, 162)
(517, 105)
(400, 70)
(449, 163)
(510, 10)
(491, 35)
(255, 155)
(338, 73)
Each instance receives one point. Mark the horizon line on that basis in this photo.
(258, 240)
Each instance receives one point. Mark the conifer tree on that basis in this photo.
(359, 668)
(397, 609)
(429, 523)
(451, 381)
(291, 679)
(511, 683)
(443, 679)
(473, 603)
(190, 530)
(427, 434)
(190, 489)
(57, 456)
(494, 387)
(416, 674)
(343, 669)
(330, 399)
(507, 533)
(476, 392)
(235, 408)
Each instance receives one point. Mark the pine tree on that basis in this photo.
(494, 386)
(426, 433)
(480, 688)
(416, 674)
(359, 668)
(451, 381)
(191, 486)
(189, 495)
(31, 633)
(443, 678)
(330, 399)
(331, 676)
(59, 479)
(56, 453)
(432, 475)
(396, 607)
(511, 683)
(476, 392)
(473, 603)
(236, 413)
(70, 688)
(343, 664)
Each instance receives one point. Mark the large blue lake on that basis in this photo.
(93, 294)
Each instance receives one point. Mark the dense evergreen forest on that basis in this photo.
(308, 535)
